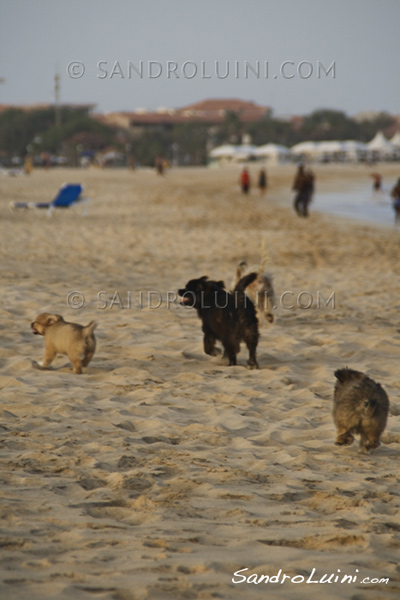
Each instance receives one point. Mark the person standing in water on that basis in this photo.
(395, 193)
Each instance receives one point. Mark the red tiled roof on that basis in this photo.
(231, 104)
(206, 111)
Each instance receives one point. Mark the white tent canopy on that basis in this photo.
(354, 146)
(380, 144)
(271, 150)
(229, 151)
(354, 150)
(305, 148)
(330, 147)
(379, 147)
(395, 140)
(245, 151)
(225, 151)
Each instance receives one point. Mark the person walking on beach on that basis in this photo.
(300, 186)
(310, 187)
(262, 182)
(245, 181)
(395, 193)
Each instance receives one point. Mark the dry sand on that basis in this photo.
(160, 472)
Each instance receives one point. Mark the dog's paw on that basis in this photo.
(216, 352)
(252, 365)
(223, 361)
(38, 365)
(344, 441)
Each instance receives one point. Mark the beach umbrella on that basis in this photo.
(354, 146)
(330, 147)
(305, 148)
(245, 151)
(225, 151)
(354, 149)
(271, 150)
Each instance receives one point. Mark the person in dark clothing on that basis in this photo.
(262, 182)
(310, 186)
(395, 193)
(300, 187)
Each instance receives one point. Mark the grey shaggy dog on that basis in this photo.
(360, 406)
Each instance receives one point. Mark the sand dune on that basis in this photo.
(160, 472)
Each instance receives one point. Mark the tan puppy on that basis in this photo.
(260, 291)
(76, 341)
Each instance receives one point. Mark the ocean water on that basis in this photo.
(359, 203)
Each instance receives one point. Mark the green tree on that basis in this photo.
(150, 145)
(368, 128)
(189, 143)
(329, 125)
(273, 131)
(97, 136)
(15, 133)
(232, 129)
(35, 130)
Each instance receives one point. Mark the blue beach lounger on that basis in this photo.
(68, 195)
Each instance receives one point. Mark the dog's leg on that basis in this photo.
(344, 438)
(230, 350)
(87, 358)
(252, 361)
(209, 345)
(77, 367)
(76, 362)
(88, 353)
(49, 355)
(251, 340)
(369, 442)
(230, 356)
(265, 303)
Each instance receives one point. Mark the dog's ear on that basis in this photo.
(221, 284)
(202, 280)
(51, 319)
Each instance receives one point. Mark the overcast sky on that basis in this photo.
(293, 55)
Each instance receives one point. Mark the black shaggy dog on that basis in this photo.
(228, 317)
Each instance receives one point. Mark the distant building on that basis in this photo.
(208, 112)
(296, 121)
(367, 115)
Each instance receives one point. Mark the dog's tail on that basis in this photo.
(266, 296)
(347, 374)
(240, 269)
(245, 281)
(265, 256)
(90, 328)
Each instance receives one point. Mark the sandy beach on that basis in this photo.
(159, 472)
